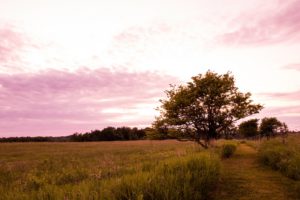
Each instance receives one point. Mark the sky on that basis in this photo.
(77, 65)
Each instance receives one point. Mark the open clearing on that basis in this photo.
(32, 170)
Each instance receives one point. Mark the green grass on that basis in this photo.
(244, 178)
(188, 178)
(83, 170)
(283, 157)
(162, 170)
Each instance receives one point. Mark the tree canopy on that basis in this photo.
(206, 107)
(249, 128)
(271, 126)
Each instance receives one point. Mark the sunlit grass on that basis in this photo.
(284, 157)
(92, 170)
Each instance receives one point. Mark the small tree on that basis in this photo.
(206, 107)
(249, 128)
(283, 131)
(271, 127)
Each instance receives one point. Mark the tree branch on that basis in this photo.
(203, 145)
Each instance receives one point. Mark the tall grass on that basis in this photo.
(187, 178)
(105, 170)
(282, 157)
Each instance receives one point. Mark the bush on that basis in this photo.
(280, 157)
(228, 150)
(189, 178)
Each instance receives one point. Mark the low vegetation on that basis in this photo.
(106, 170)
(149, 169)
(282, 157)
(228, 150)
(187, 178)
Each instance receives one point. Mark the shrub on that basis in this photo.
(228, 150)
(280, 157)
(193, 177)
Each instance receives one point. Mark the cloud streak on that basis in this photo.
(288, 111)
(289, 96)
(59, 102)
(11, 43)
(294, 66)
(276, 25)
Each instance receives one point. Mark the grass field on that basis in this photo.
(78, 170)
(140, 170)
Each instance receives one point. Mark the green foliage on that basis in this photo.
(188, 178)
(206, 107)
(249, 128)
(106, 134)
(110, 134)
(157, 134)
(281, 157)
(272, 126)
(228, 150)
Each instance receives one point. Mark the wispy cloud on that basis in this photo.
(287, 110)
(11, 43)
(279, 24)
(60, 102)
(294, 66)
(295, 95)
(287, 114)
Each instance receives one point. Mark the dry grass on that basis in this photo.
(84, 170)
(31, 170)
(244, 178)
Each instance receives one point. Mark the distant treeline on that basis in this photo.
(110, 134)
(116, 134)
(35, 139)
(106, 134)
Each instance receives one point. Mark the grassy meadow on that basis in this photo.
(148, 169)
(86, 170)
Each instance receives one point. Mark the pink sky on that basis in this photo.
(73, 66)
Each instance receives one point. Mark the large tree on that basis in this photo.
(206, 107)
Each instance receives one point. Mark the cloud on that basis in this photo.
(288, 114)
(294, 66)
(287, 108)
(134, 33)
(283, 105)
(275, 25)
(290, 96)
(57, 102)
(10, 43)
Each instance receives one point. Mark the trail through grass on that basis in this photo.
(244, 178)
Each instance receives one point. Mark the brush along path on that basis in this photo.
(244, 178)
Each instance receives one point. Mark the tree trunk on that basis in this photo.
(204, 145)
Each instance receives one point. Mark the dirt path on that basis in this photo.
(243, 178)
